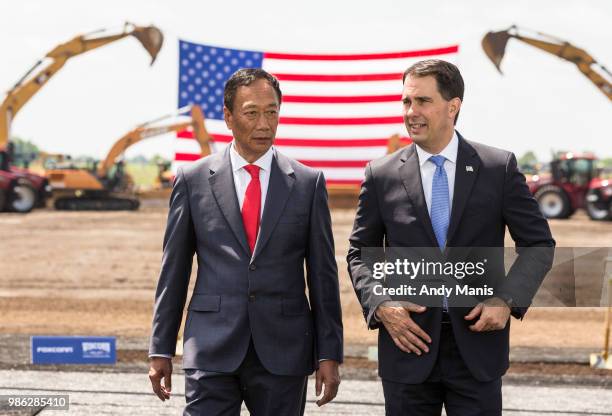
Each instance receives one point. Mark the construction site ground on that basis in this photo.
(95, 273)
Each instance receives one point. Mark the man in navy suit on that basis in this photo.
(446, 192)
(254, 218)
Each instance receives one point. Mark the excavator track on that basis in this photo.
(96, 204)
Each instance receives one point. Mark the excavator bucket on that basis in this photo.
(494, 45)
(199, 130)
(151, 38)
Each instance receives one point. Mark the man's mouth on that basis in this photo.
(416, 127)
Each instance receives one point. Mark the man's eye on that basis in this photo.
(272, 112)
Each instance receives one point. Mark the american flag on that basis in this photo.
(338, 111)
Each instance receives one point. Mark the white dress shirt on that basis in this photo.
(242, 178)
(428, 168)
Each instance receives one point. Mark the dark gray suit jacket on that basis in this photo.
(238, 296)
(487, 198)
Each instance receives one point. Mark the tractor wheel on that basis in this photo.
(597, 209)
(22, 197)
(553, 202)
(2, 199)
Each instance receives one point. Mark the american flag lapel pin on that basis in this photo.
(469, 168)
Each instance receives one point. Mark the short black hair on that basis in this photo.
(448, 78)
(244, 77)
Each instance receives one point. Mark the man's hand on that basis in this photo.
(494, 314)
(406, 334)
(327, 375)
(161, 367)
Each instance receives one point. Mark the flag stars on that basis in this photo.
(204, 70)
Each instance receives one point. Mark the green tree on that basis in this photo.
(528, 162)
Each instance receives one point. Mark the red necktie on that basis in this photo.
(251, 206)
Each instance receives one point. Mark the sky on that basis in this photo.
(541, 103)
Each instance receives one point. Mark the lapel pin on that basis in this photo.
(469, 169)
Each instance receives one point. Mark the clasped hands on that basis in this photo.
(492, 314)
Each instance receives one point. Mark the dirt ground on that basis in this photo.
(95, 274)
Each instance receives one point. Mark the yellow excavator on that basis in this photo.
(36, 77)
(575, 181)
(107, 186)
(494, 45)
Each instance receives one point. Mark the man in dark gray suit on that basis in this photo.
(254, 217)
(445, 192)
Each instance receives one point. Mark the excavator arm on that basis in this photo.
(150, 37)
(494, 45)
(151, 129)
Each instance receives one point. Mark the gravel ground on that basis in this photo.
(129, 394)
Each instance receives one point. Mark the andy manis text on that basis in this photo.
(424, 290)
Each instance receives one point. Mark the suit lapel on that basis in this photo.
(466, 172)
(410, 174)
(224, 190)
(279, 188)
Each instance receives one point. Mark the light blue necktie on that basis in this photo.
(440, 206)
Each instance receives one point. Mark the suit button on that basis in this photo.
(251, 298)
(252, 267)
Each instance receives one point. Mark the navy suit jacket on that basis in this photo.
(490, 194)
(293, 315)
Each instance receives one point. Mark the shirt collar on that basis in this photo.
(449, 152)
(238, 162)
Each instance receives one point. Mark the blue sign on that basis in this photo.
(73, 350)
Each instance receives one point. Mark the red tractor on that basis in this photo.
(572, 183)
(17, 192)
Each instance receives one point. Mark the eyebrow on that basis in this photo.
(420, 97)
(255, 106)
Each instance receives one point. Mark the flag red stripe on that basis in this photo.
(362, 56)
(186, 157)
(190, 157)
(338, 78)
(336, 121)
(341, 99)
(223, 138)
(335, 163)
(355, 182)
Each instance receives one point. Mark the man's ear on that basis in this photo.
(227, 116)
(454, 107)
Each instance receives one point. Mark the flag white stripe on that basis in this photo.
(341, 88)
(292, 131)
(191, 146)
(387, 109)
(349, 67)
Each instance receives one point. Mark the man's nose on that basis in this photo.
(410, 111)
(262, 122)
